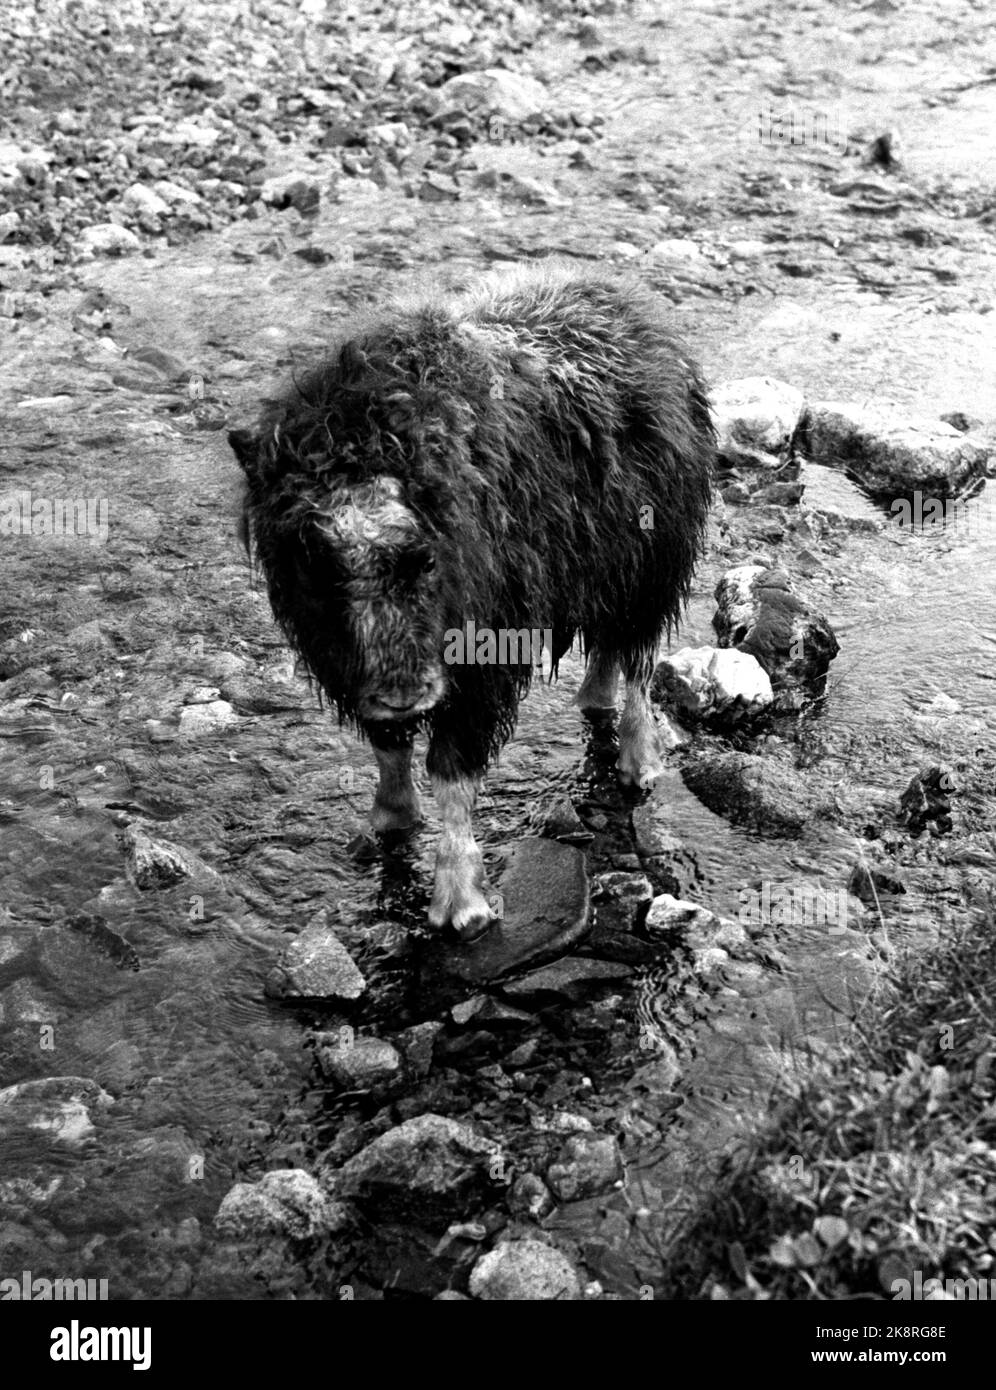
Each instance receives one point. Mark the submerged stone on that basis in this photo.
(543, 900)
(316, 965)
(422, 1169)
(287, 1201)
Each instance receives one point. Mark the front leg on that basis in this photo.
(396, 805)
(458, 898)
(640, 763)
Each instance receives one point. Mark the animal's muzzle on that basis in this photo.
(402, 703)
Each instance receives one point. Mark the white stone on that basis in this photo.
(714, 679)
(496, 92)
(756, 416)
(107, 239)
(196, 721)
(524, 1270)
(677, 248)
(191, 133)
(285, 1201)
(390, 133)
(58, 1106)
(140, 198)
(175, 194)
(747, 250)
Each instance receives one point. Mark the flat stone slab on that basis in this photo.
(571, 979)
(544, 893)
(830, 494)
(891, 454)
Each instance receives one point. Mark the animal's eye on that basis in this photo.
(412, 564)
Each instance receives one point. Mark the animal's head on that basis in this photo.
(346, 530)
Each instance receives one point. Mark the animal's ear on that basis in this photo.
(245, 446)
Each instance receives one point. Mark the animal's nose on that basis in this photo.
(401, 700)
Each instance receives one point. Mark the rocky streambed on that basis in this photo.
(233, 1060)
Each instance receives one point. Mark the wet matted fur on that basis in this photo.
(535, 454)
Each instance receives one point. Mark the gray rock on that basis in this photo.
(494, 92)
(704, 681)
(56, 1106)
(10, 949)
(524, 1270)
(555, 817)
(439, 188)
(88, 637)
(530, 1196)
(677, 248)
(522, 1055)
(927, 801)
(19, 164)
(201, 720)
(106, 239)
(21, 1002)
(287, 1202)
(357, 1063)
(894, 454)
(756, 419)
(521, 188)
(464, 1011)
(139, 198)
(964, 424)
(759, 614)
(562, 1122)
(620, 898)
(296, 189)
(203, 695)
(421, 1169)
(486, 1012)
(390, 133)
(711, 939)
(316, 965)
(867, 881)
(571, 978)
(659, 1076)
(416, 1044)
(781, 494)
(13, 257)
(747, 249)
(588, 1165)
(153, 863)
(30, 1191)
(830, 501)
(762, 792)
(176, 195)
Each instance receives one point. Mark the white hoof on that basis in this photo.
(458, 900)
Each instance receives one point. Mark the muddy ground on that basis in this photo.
(805, 262)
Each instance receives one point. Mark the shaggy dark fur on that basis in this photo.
(486, 457)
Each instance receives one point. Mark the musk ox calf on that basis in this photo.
(530, 459)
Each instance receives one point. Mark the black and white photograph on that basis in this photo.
(497, 659)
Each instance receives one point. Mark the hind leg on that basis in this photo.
(598, 689)
(640, 763)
